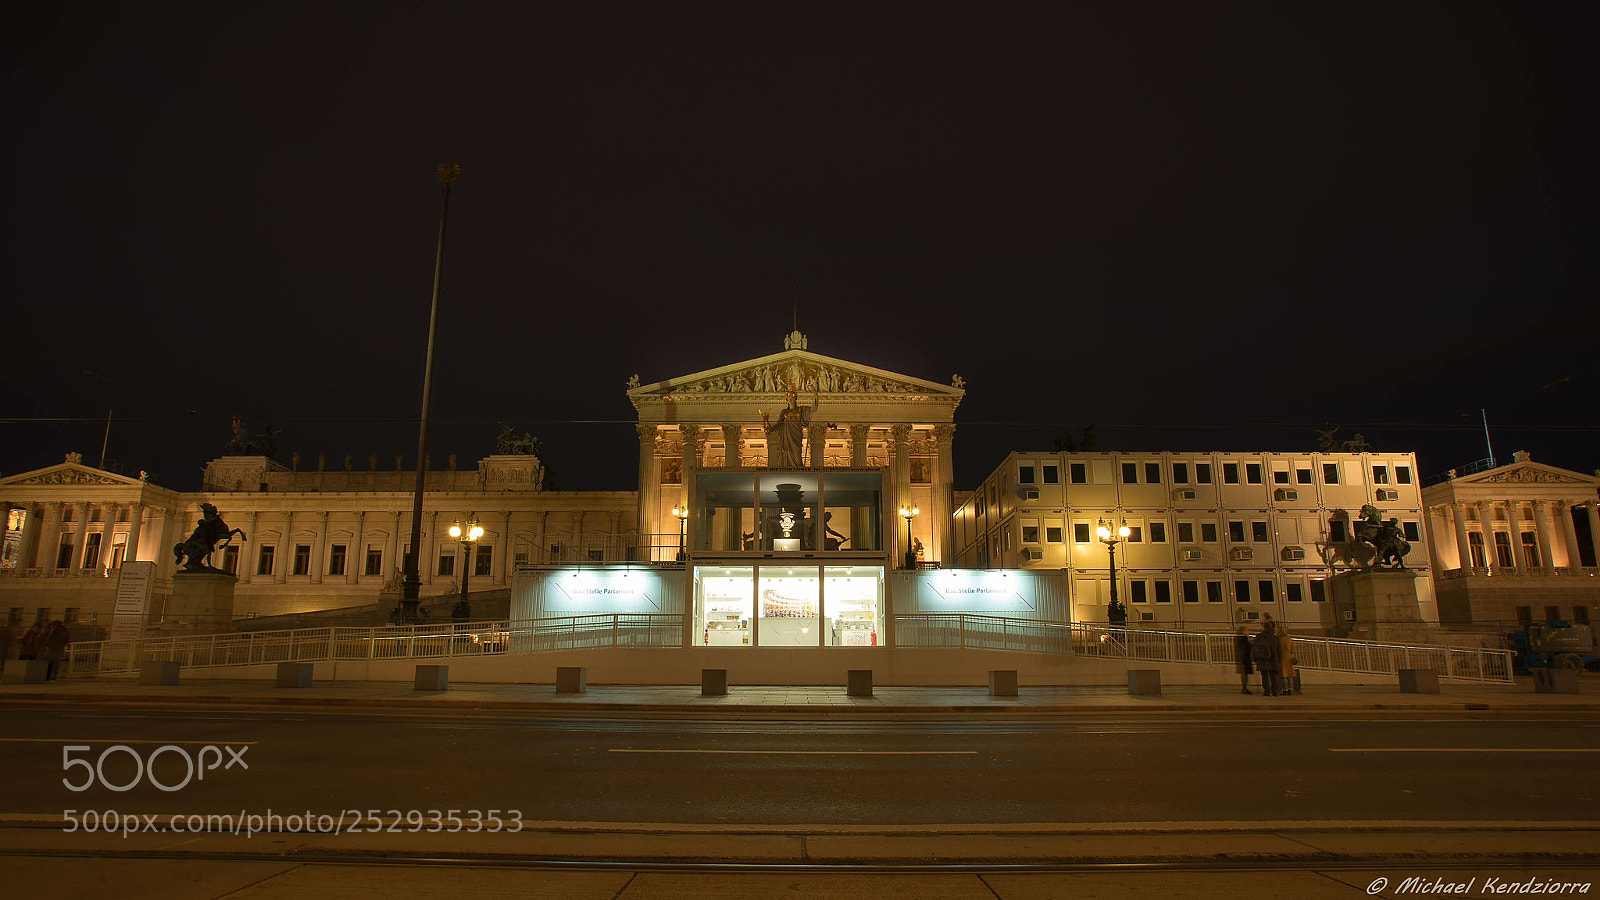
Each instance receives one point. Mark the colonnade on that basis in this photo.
(1554, 544)
(40, 543)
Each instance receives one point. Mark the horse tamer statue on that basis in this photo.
(207, 535)
(1388, 545)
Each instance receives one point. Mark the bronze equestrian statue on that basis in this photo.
(207, 535)
(1388, 545)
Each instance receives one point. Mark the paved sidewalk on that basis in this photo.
(825, 700)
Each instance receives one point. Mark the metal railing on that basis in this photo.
(956, 630)
(334, 644)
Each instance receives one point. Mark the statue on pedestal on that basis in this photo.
(1388, 545)
(194, 554)
(786, 436)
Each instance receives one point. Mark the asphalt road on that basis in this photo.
(891, 770)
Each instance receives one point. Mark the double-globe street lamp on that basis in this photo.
(909, 513)
(682, 515)
(1116, 613)
(468, 535)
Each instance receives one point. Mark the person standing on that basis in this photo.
(1241, 659)
(1287, 670)
(32, 642)
(55, 648)
(1264, 653)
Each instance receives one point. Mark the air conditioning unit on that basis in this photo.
(1250, 615)
(1293, 554)
(1146, 617)
(1184, 494)
(1191, 555)
(1285, 495)
(1243, 553)
(1031, 494)
(1034, 554)
(1388, 496)
(1349, 615)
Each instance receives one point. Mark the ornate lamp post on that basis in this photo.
(909, 513)
(1116, 613)
(468, 535)
(682, 515)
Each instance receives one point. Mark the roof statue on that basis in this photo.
(508, 444)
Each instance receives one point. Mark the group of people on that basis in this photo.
(1271, 652)
(42, 641)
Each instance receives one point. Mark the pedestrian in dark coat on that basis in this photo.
(55, 648)
(32, 642)
(1241, 659)
(1264, 653)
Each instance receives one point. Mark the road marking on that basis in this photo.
(1464, 749)
(118, 741)
(813, 752)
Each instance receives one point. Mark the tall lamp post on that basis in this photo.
(468, 535)
(1116, 613)
(909, 513)
(682, 515)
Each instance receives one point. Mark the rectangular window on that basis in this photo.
(1191, 592)
(1130, 473)
(41, 615)
(1052, 535)
(1080, 473)
(1402, 474)
(1252, 473)
(1241, 592)
(64, 555)
(1409, 529)
(1258, 532)
(14, 616)
(69, 616)
(1268, 594)
(1202, 473)
(1330, 473)
(1025, 475)
(1302, 476)
(1136, 592)
(1230, 473)
(374, 562)
(1280, 476)
(1158, 532)
(230, 560)
(1213, 592)
(336, 559)
(302, 559)
(1208, 532)
(1319, 591)
(1080, 532)
(483, 560)
(1152, 473)
(1163, 592)
(1380, 474)
(1052, 475)
(1180, 473)
(1030, 534)
(1236, 532)
(91, 551)
(447, 564)
(264, 559)
(1135, 534)
(1336, 530)
(1292, 592)
(1185, 532)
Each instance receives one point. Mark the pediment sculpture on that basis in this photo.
(807, 377)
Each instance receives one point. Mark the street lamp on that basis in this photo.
(682, 515)
(1116, 613)
(468, 535)
(911, 553)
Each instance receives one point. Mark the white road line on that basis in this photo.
(118, 741)
(813, 752)
(1464, 749)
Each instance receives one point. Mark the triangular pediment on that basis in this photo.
(1529, 473)
(70, 473)
(809, 373)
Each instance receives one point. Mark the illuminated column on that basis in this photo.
(282, 561)
(691, 465)
(1594, 530)
(1428, 530)
(858, 444)
(732, 445)
(861, 519)
(246, 565)
(28, 547)
(318, 547)
(76, 562)
(1574, 561)
(1458, 511)
(900, 436)
(355, 557)
(392, 557)
(733, 524)
(135, 520)
(817, 436)
(428, 563)
(1491, 559)
(108, 534)
(649, 493)
(502, 566)
(944, 437)
(1513, 518)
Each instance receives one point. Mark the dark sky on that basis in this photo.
(1194, 225)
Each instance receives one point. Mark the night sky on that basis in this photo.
(1195, 226)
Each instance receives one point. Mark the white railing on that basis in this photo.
(972, 632)
(625, 630)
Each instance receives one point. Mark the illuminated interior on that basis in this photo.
(788, 605)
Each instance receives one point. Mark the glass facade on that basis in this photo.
(788, 512)
(784, 605)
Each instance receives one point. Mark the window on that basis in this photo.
(1252, 473)
(1025, 475)
(1152, 473)
(336, 555)
(1380, 474)
(1030, 534)
(1319, 591)
(1130, 473)
(264, 559)
(1185, 532)
(1336, 530)
(1292, 592)
(1052, 474)
(91, 550)
(1158, 532)
(1230, 473)
(14, 616)
(1302, 476)
(1080, 532)
(598, 555)
(374, 561)
(1079, 473)
(1330, 473)
(483, 561)
(1136, 592)
(1530, 548)
(1280, 476)
(1213, 592)
(302, 559)
(1402, 474)
(1236, 532)
(1135, 534)
(1409, 529)
(1265, 589)
(230, 560)
(41, 615)
(1191, 592)
(1208, 532)
(447, 564)
(1258, 532)
(1524, 616)
(1180, 473)
(1202, 473)
(1052, 534)
(1241, 592)
(1163, 592)
(1552, 613)
(69, 616)
(64, 555)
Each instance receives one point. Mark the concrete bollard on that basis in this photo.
(1002, 682)
(159, 672)
(858, 683)
(1419, 681)
(1555, 681)
(572, 679)
(713, 682)
(294, 674)
(431, 678)
(1144, 682)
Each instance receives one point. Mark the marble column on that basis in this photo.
(284, 558)
(319, 548)
(1491, 559)
(82, 513)
(135, 521)
(900, 438)
(355, 556)
(108, 536)
(733, 446)
(1514, 520)
(733, 450)
(1428, 531)
(428, 565)
(1541, 525)
(1458, 512)
(502, 566)
(247, 566)
(858, 444)
(1568, 531)
(1594, 530)
(817, 437)
(691, 465)
(861, 520)
(944, 477)
(391, 558)
(649, 495)
(28, 544)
